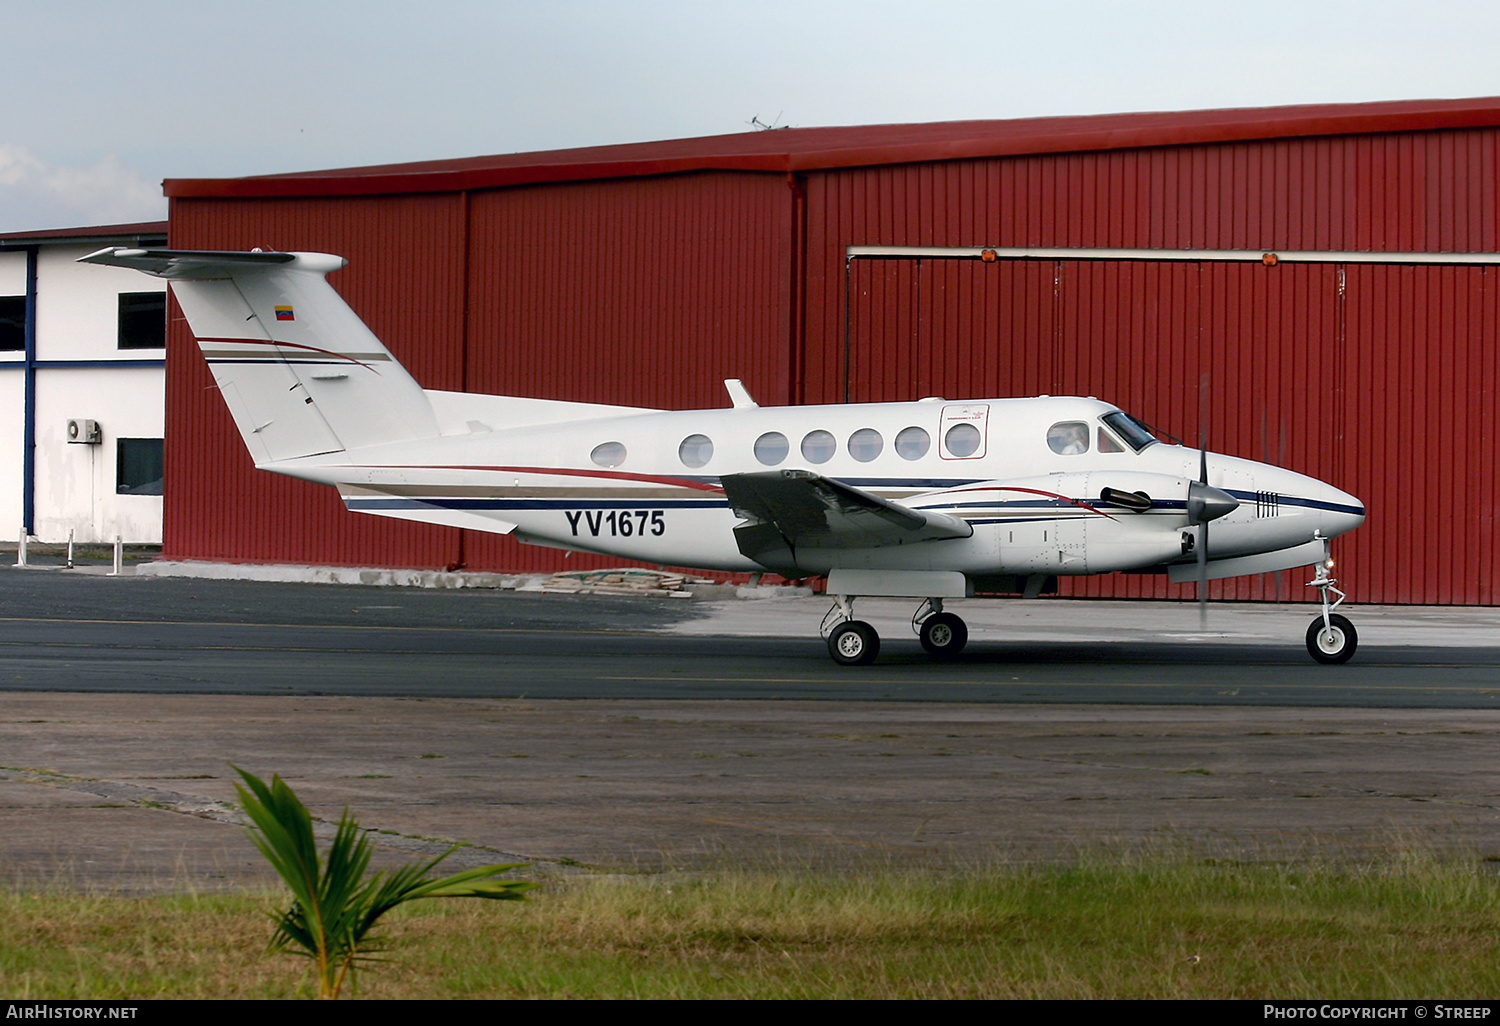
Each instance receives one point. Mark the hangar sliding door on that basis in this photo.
(954, 328)
(1382, 378)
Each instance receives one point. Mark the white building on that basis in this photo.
(82, 388)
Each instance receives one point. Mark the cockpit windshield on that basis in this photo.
(1136, 434)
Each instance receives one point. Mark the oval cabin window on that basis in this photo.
(865, 444)
(819, 447)
(962, 440)
(608, 454)
(771, 448)
(695, 450)
(912, 443)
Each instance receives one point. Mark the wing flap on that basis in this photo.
(787, 510)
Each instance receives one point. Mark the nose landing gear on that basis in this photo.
(1331, 638)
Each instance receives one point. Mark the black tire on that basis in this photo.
(944, 635)
(1337, 644)
(854, 643)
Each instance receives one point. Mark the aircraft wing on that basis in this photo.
(787, 510)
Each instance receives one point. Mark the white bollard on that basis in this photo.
(70, 548)
(21, 549)
(119, 557)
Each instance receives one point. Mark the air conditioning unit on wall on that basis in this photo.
(85, 432)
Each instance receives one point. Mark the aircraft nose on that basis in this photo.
(1339, 512)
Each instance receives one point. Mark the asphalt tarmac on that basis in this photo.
(596, 733)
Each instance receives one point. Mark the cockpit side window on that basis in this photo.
(1127, 427)
(1068, 438)
(1107, 442)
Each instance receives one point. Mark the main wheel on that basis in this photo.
(1334, 643)
(944, 635)
(854, 643)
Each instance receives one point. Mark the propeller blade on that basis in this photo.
(1203, 576)
(1206, 504)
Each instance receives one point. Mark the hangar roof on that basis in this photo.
(811, 149)
(140, 231)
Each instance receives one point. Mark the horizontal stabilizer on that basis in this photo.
(188, 264)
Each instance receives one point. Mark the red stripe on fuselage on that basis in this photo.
(616, 475)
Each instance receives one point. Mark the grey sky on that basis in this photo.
(104, 99)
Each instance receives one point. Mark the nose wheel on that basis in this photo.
(1333, 642)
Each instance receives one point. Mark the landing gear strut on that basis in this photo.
(853, 642)
(1331, 638)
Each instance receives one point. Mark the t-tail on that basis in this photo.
(299, 370)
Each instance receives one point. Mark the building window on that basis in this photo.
(138, 466)
(12, 324)
(143, 320)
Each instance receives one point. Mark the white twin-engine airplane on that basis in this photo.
(931, 500)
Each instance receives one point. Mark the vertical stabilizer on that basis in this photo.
(299, 370)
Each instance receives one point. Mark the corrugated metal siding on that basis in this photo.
(405, 279)
(652, 289)
(1379, 379)
(642, 293)
(646, 293)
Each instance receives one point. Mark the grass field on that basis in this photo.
(1418, 929)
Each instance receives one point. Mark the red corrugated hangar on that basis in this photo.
(1331, 269)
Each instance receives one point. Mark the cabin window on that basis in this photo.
(1107, 442)
(962, 440)
(608, 454)
(771, 448)
(819, 447)
(695, 450)
(1068, 438)
(865, 444)
(912, 443)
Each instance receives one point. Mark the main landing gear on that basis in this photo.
(853, 642)
(1331, 638)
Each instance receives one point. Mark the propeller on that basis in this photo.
(1205, 503)
(1196, 513)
